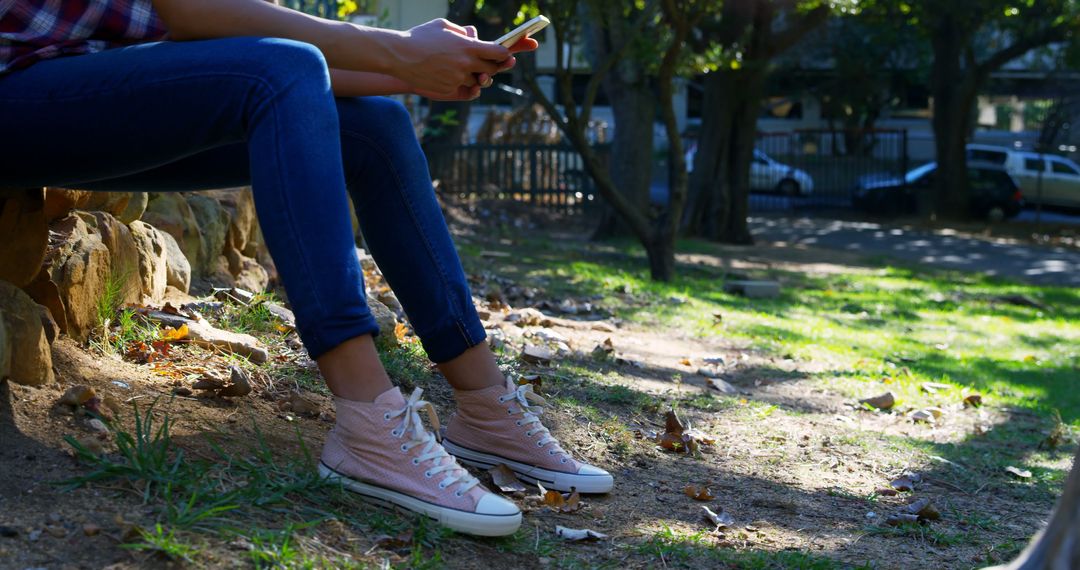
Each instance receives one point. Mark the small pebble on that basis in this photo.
(34, 535)
(91, 529)
(121, 384)
(8, 532)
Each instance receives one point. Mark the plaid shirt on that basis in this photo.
(33, 30)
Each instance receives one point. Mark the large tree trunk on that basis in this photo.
(707, 192)
(1057, 547)
(954, 91)
(743, 139)
(633, 105)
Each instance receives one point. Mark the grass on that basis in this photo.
(670, 548)
(875, 327)
(273, 503)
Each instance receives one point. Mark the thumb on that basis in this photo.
(488, 50)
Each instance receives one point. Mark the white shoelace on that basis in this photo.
(530, 406)
(412, 426)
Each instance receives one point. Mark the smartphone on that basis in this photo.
(523, 31)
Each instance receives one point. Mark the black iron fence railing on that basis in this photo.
(549, 176)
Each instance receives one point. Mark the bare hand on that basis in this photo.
(440, 57)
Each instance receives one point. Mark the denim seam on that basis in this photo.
(458, 311)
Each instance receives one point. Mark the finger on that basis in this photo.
(483, 79)
(487, 82)
(484, 66)
(474, 93)
(508, 64)
(524, 44)
(488, 50)
(448, 25)
(470, 31)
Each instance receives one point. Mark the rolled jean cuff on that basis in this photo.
(451, 340)
(320, 339)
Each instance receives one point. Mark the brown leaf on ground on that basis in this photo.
(534, 379)
(972, 400)
(697, 493)
(721, 519)
(575, 535)
(881, 402)
(685, 362)
(672, 424)
(387, 542)
(885, 492)
(302, 405)
(924, 509)
(1018, 473)
(506, 480)
(208, 383)
(401, 330)
(567, 503)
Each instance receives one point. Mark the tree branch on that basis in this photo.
(592, 88)
(791, 35)
(1048, 35)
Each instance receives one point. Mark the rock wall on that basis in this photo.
(64, 252)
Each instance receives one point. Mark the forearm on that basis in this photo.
(345, 46)
(364, 84)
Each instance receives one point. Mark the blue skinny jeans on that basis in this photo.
(173, 116)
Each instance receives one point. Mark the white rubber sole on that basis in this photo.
(460, 521)
(557, 480)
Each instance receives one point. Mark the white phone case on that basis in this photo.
(527, 29)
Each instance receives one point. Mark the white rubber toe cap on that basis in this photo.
(492, 504)
(592, 471)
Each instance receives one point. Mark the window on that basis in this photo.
(994, 156)
(1034, 164)
(1063, 168)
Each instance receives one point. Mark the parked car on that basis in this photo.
(994, 193)
(769, 175)
(1060, 176)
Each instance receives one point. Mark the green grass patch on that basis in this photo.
(670, 548)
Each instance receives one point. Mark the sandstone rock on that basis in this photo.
(5, 349)
(45, 293)
(123, 255)
(135, 207)
(80, 266)
(114, 203)
(153, 259)
(30, 361)
(387, 323)
(177, 267)
(213, 222)
(170, 213)
(24, 235)
(59, 202)
(48, 324)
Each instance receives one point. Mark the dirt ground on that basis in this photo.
(797, 465)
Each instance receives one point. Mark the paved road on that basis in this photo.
(1032, 263)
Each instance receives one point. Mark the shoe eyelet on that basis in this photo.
(509, 411)
(403, 448)
(386, 416)
(427, 474)
(458, 494)
(528, 434)
(415, 461)
(441, 486)
(563, 460)
(538, 444)
(396, 433)
(551, 452)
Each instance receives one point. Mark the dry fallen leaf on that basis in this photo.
(170, 334)
(901, 518)
(563, 503)
(1019, 473)
(505, 480)
(400, 331)
(905, 482)
(387, 542)
(76, 396)
(685, 362)
(574, 534)
(697, 493)
(881, 402)
(924, 509)
(973, 400)
(721, 519)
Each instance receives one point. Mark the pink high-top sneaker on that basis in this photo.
(500, 425)
(382, 451)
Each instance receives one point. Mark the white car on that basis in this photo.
(768, 175)
(1060, 176)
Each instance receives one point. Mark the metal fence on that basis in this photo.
(821, 167)
(548, 176)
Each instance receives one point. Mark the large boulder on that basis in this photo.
(153, 262)
(29, 360)
(24, 234)
(170, 213)
(387, 322)
(135, 207)
(114, 203)
(213, 221)
(81, 267)
(59, 202)
(177, 267)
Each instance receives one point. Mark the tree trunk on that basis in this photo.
(633, 104)
(706, 196)
(661, 254)
(1057, 547)
(954, 91)
(743, 139)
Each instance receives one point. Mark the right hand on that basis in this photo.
(440, 57)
